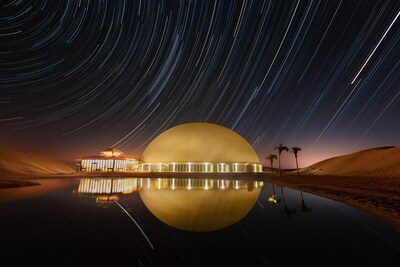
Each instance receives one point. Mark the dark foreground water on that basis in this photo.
(177, 222)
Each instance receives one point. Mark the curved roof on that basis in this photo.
(199, 142)
(113, 150)
(106, 158)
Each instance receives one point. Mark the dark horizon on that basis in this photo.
(75, 79)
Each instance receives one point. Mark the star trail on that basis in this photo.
(79, 76)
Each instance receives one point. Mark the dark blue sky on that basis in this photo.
(78, 76)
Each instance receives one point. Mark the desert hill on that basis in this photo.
(377, 162)
(18, 163)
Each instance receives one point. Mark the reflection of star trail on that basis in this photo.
(138, 226)
(364, 224)
(90, 74)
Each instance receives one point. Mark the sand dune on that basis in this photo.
(375, 162)
(18, 163)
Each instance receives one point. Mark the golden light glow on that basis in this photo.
(107, 186)
(208, 205)
(273, 199)
(187, 204)
(131, 185)
(206, 186)
(199, 147)
(173, 184)
(108, 160)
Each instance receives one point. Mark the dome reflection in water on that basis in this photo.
(188, 204)
(200, 204)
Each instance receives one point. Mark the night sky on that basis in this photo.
(80, 76)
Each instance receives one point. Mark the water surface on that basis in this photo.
(186, 222)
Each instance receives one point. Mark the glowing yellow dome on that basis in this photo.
(200, 142)
(198, 209)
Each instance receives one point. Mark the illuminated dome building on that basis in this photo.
(110, 159)
(199, 147)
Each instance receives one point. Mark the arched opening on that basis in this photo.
(249, 168)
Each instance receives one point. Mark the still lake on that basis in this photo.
(178, 222)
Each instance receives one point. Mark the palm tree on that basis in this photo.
(295, 150)
(271, 158)
(280, 149)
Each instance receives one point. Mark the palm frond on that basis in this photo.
(295, 150)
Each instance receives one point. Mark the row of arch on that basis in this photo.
(199, 167)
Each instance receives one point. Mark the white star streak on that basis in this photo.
(334, 116)
(379, 116)
(88, 74)
(280, 46)
(376, 47)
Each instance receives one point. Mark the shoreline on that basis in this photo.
(381, 203)
(207, 175)
(9, 183)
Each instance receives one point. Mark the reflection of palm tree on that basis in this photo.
(288, 211)
(271, 158)
(303, 207)
(274, 198)
(280, 149)
(295, 150)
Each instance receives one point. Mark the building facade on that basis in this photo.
(199, 167)
(110, 159)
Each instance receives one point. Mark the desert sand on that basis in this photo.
(375, 162)
(26, 164)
